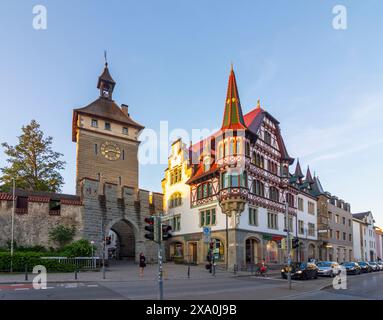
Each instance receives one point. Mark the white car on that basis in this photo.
(328, 268)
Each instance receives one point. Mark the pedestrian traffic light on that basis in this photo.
(166, 232)
(295, 243)
(150, 221)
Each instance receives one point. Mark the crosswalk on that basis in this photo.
(29, 286)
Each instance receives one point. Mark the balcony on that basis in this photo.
(233, 199)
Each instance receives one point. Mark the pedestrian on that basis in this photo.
(142, 264)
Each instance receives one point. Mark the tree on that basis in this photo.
(62, 234)
(33, 163)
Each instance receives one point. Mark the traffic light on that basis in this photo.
(108, 240)
(150, 227)
(295, 243)
(166, 232)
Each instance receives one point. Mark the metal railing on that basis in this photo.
(83, 263)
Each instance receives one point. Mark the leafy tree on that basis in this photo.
(80, 248)
(33, 163)
(62, 234)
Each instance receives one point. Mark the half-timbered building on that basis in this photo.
(232, 185)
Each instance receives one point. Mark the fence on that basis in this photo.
(83, 263)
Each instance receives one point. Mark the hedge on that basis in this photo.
(31, 259)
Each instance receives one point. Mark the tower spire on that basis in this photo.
(298, 171)
(233, 117)
(105, 81)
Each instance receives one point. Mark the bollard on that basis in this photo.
(103, 272)
(235, 269)
(26, 272)
(75, 274)
(213, 266)
(188, 271)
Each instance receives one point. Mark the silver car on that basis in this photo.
(374, 266)
(328, 268)
(380, 264)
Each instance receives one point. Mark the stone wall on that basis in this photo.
(107, 204)
(32, 228)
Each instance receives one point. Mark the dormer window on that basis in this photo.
(94, 123)
(125, 130)
(107, 126)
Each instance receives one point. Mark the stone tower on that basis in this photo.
(106, 138)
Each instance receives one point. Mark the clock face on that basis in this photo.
(110, 151)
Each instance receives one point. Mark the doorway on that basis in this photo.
(192, 252)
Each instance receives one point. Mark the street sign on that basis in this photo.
(206, 234)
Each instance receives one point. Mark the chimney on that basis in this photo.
(124, 108)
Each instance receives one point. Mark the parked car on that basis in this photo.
(352, 267)
(328, 268)
(365, 267)
(301, 270)
(380, 264)
(375, 267)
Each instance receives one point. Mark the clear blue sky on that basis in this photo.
(171, 62)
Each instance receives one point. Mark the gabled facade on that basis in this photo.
(365, 244)
(235, 182)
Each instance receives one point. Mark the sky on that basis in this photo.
(171, 61)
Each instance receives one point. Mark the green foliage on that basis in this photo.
(80, 248)
(62, 234)
(31, 259)
(33, 163)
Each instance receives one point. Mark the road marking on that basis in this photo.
(92, 285)
(20, 289)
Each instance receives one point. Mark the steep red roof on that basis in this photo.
(232, 118)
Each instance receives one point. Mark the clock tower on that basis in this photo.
(106, 138)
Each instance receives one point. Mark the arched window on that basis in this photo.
(238, 146)
(226, 149)
(175, 200)
(247, 149)
(274, 194)
(258, 188)
(232, 145)
(220, 150)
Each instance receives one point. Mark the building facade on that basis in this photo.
(107, 194)
(235, 184)
(365, 244)
(379, 243)
(335, 228)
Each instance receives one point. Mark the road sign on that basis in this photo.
(206, 234)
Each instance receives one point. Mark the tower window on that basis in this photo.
(95, 149)
(94, 123)
(107, 126)
(119, 180)
(125, 130)
(123, 154)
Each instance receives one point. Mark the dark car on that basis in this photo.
(301, 270)
(352, 267)
(365, 267)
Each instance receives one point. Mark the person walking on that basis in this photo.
(142, 264)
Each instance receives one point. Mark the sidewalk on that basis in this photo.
(130, 272)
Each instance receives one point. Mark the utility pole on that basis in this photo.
(103, 247)
(160, 271)
(13, 220)
(288, 243)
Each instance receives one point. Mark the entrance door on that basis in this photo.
(252, 251)
(192, 252)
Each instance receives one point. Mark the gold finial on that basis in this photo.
(231, 66)
(259, 104)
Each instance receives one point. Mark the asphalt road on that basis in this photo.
(366, 286)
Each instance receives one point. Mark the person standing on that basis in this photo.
(142, 264)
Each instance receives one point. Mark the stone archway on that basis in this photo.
(125, 245)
